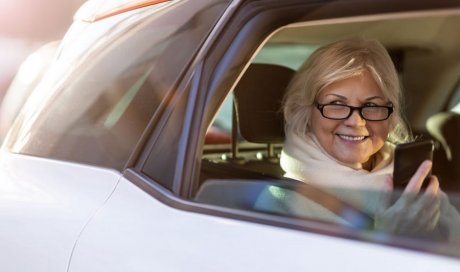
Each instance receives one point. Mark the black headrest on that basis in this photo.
(258, 97)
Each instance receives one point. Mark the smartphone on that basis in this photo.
(408, 158)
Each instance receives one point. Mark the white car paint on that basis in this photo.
(44, 206)
(135, 232)
(99, 222)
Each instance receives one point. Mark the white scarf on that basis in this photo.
(304, 159)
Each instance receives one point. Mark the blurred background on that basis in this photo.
(25, 25)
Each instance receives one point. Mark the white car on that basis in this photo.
(128, 157)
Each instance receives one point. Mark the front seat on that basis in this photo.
(257, 118)
(445, 128)
(258, 100)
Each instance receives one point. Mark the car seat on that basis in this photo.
(257, 118)
(444, 127)
(258, 99)
(257, 102)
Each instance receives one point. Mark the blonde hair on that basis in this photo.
(337, 61)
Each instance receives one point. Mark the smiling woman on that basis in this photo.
(339, 123)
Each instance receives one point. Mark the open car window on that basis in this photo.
(240, 163)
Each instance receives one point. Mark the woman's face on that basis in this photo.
(354, 140)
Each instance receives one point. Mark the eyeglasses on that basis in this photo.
(341, 112)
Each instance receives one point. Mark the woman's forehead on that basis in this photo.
(362, 86)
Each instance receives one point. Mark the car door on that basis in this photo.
(152, 222)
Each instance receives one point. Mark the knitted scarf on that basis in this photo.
(304, 159)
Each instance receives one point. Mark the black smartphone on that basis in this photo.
(408, 158)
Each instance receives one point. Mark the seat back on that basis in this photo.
(258, 116)
(444, 127)
(258, 97)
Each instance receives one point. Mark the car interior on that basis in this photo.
(425, 48)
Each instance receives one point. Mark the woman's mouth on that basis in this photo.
(350, 138)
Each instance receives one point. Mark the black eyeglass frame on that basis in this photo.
(320, 107)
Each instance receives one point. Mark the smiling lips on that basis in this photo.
(350, 138)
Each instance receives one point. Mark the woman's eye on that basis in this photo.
(370, 105)
(337, 102)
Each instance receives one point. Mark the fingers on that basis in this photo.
(435, 219)
(413, 188)
(413, 218)
(413, 212)
(427, 210)
(416, 181)
(433, 215)
(433, 187)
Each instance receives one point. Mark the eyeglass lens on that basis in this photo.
(372, 113)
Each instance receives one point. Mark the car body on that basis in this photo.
(113, 163)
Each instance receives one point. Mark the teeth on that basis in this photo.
(352, 138)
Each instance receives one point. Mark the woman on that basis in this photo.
(343, 112)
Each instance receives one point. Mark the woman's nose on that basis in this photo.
(355, 119)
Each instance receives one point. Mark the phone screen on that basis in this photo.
(408, 158)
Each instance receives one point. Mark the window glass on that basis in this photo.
(161, 162)
(98, 112)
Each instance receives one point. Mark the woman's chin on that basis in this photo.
(355, 162)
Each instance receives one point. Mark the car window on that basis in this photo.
(240, 162)
(98, 112)
(289, 55)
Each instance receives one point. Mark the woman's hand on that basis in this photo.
(414, 213)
